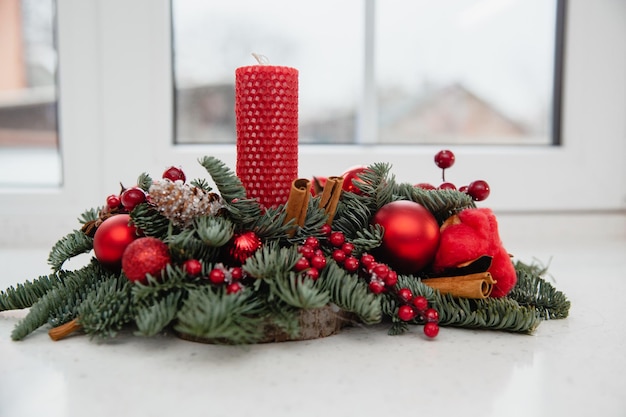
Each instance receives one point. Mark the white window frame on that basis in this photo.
(116, 92)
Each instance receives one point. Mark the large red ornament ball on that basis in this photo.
(411, 236)
(111, 239)
(146, 255)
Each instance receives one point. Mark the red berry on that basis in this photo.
(425, 186)
(463, 188)
(301, 264)
(337, 239)
(312, 273)
(420, 303)
(348, 248)
(405, 294)
(444, 159)
(174, 174)
(431, 330)
(478, 190)
(380, 270)
(236, 273)
(312, 241)
(431, 315)
(447, 186)
(406, 313)
(318, 261)
(367, 260)
(351, 264)
(193, 267)
(306, 251)
(131, 197)
(217, 276)
(339, 256)
(233, 288)
(391, 279)
(376, 286)
(113, 201)
(326, 229)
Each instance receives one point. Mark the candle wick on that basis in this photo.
(261, 59)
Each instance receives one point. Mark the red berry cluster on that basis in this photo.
(131, 197)
(478, 190)
(219, 275)
(312, 260)
(417, 307)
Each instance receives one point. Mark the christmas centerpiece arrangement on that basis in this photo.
(259, 255)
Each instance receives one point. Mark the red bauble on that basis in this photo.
(111, 239)
(243, 245)
(411, 236)
(146, 255)
(350, 177)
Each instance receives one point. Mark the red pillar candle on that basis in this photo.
(266, 108)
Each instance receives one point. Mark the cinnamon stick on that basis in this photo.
(298, 202)
(64, 330)
(330, 197)
(478, 285)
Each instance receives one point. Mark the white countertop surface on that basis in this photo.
(571, 367)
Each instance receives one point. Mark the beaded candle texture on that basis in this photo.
(266, 109)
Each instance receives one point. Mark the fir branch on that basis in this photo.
(144, 181)
(90, 215)
(152, 223)
(297, 291)
(352, 215)
(269, 225)
(152, 319)
(26, 294)
(533, 291)
(441, 203)
(271, 261)
(64, 297)
(202, 184)
(350, 293)
(377, 185)
(210, 314)
(227, 183)
(67, 247)
(244, 212)
(187, 245)
(213, 231)
(368, 239)
(154, 290)
(107, 308)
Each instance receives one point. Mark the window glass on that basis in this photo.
(457, 72)
(322, 39)
(29, 153)
(465, 71)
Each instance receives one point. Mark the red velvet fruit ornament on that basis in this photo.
(111, 239)
(146, 255)
(411, 236)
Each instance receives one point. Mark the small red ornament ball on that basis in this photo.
(111, 239)
(411, 236)
(479, 190)
(350, 177)
(174, 174)
(444, 159)
(146, 255)
(243, 245)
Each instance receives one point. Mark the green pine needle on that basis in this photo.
(152, 319)
(26, 294)
(107, 308)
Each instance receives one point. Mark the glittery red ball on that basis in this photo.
(111, 239)
(146, 255)
(243, 245)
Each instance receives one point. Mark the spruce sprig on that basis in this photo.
(350, 293)
(26, 294)
(153, 318)
(107, 308)
(212, 315)
(60, 304)
(67, 247)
